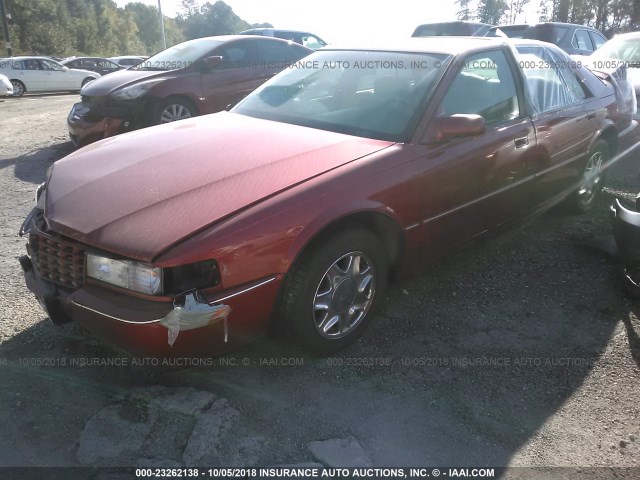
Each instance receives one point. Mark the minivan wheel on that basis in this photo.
(18, 88)
(174, 109)
(330, 296)
(584, 198)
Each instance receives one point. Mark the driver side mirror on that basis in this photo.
(212, 62)
(459, 126)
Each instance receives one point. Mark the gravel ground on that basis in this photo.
(521, 350)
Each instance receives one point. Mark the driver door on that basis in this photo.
(472, 184)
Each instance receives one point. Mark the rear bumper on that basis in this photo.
(134, 324)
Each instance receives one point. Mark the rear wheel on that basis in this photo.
(18, 88)
(585, 197)
(330, 296)
(87, 80)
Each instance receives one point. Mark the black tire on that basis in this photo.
(18, 88)
(585, 197)
(173, 107)
(301, 316)
(87, 80)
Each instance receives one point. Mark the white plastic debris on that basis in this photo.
(192, 315)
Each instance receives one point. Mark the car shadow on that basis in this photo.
(32, 167)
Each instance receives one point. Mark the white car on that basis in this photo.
(5, 86)
(41, 74)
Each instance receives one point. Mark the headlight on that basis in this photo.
(135, 276)
(135, 91)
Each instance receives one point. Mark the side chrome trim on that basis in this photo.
(222, 299)
(111, 316)
(148, 322)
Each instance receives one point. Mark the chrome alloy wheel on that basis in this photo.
(344, 295)
(592, 177)
(174, 112)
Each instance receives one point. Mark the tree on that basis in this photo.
(491, 11)
(99, 27)
(515, 9)
(465, 11)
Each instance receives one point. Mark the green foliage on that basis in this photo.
(609, 16)
(99, 27)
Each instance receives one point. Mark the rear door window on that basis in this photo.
(545, 82)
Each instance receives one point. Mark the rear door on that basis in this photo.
(566, 117)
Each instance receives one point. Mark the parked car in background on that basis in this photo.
(6, 88)
(621, 48)
(573, 39)
(41, 74)
(306, 39)
(296, 205)
(452, 29)
(102, 66)
(128, 61)
(200, 76)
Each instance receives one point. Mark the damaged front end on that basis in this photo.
(195, 314)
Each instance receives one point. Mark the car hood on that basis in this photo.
(107, 84)
(140, 193)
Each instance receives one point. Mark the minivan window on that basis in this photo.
(581, 40)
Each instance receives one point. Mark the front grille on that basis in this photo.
(57, 260)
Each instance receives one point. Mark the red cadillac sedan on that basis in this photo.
(296, 206)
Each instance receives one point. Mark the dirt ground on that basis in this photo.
(521, 350)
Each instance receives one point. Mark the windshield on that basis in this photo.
(368, 94)
(179, 56)
(625, 49)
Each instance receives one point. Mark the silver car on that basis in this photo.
(41, 74)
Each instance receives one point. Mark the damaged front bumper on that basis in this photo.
(208, 326)
(88, 122)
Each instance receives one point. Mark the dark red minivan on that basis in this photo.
(196, 77)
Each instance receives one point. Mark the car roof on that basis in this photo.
(557, 24)
(84, 58)
(456, 22)
(438, 45)
(28, 57)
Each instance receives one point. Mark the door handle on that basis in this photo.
(521, 142)
(264, 76)
(591, 116)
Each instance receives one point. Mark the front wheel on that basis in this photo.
(172, 110)
(585, 197)
(331, 294)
